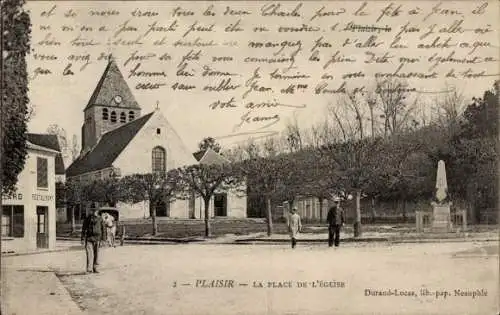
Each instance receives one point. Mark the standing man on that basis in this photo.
(335, 219)
(294, 226)
(92, 234)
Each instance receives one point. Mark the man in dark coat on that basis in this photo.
(92, 234)
(335, 219)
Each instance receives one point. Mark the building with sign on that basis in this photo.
(118, 140)
(29, 214)
(52, 142)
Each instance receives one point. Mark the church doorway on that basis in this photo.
(220, 205)
(162, 209)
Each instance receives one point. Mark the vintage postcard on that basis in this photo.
(249, 157)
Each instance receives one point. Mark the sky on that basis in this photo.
(60, 99)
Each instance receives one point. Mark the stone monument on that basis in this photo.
(441, 216)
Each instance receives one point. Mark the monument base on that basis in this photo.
(441, 218)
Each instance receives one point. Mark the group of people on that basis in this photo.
(335, 220)
(97, 230)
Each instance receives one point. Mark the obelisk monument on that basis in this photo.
(441, 218)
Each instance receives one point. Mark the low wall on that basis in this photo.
(179, 228)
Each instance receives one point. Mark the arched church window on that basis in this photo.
(131, 115)
(113, 116)
(158, 157)
(105, 114)
(123, 117)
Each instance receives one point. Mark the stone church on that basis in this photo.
(117, 139)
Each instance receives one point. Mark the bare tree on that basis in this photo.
(153, 187)
(353, 102)
(318, 135)
(251, 149)
(423, 115)
(62, 138)
(75, 148)
(205, 180)
(371, 101)
(293, 135)
(270, 147)
(448, 108)
(396, 113)
(341, 122)
(235, 154)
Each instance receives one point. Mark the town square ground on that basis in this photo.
(357, 278)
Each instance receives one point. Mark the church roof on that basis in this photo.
(198, 155)
(108, 148)
(48, 141)
(209, 157)
(111, 85)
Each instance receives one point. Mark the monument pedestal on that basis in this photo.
(441, 218)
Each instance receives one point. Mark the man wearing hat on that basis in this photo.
(92, 235)
(294, 226)
(335, 219)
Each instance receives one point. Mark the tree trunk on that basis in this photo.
(192, 206)
(72, 218)
(373, 121)
(470, 204)
(269, 217)
(357, 223)
(403, 206)
(477, 199)
(321, 214)
(374, 213)
(122, 238)
(152, 212)
(386, 125)
(208, 231)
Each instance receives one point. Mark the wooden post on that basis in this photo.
(122, 239)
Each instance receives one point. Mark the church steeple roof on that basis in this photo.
(112, 89)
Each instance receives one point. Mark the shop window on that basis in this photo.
(42, 179)
(13, 221)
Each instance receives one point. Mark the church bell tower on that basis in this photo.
(111, 106)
